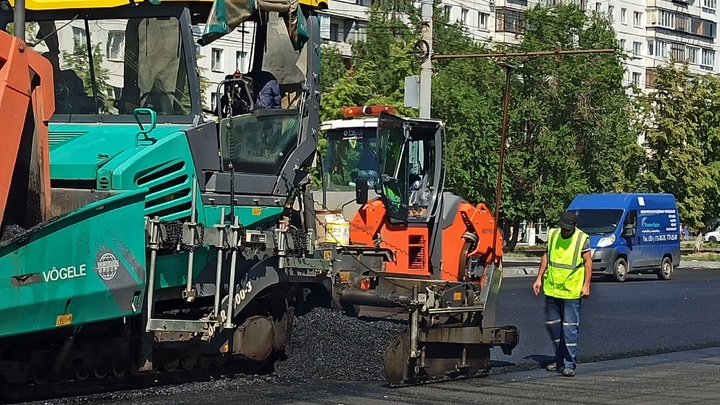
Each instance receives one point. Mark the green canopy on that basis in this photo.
(226, 15)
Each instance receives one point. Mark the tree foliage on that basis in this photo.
(574, 125)
(576, 134)
(682, 138)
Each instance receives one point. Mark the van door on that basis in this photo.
(630, 233)
(652, 224)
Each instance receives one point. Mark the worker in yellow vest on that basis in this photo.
(564, 275)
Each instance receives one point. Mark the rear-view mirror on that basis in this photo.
(361, 191)
(629, 230)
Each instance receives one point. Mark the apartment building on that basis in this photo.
(652, 32)
(484, 20)
(223, 57)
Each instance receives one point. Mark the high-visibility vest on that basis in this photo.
(565, 272)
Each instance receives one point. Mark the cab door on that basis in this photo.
(631, 238)
(393, 163)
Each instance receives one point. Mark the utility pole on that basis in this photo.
(426, 13)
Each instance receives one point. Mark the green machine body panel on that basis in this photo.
(116, 158)
(110, 172)
(84, 267)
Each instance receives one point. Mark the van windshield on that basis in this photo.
(598, 222)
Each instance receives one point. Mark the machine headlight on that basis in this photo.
(606, 241)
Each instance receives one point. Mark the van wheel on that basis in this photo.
(621, 269)
(666, 269)
(712, 239)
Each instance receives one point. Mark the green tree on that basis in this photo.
(332, 67)
(571, 124)
(707, 102)
(680, 121)
(204, 83)
(577, 135)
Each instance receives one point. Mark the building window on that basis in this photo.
(637, 19)
(483, 20)
(349, 33)
(361, 31)
(464, 16)
(661, 49)
(507, 20)
(448, 11)
(709, 29)
(623, 15)
(681, 23)
(708, 58)
(217, 60)
(636, 79)
(611, 13)
(677, 52)
(712, 4)
(213, 103)
(241, 61)
(79, 38)
(637, 48)
(598, 7)
(115, 45)
(650, 48)
(622, 44)
(693, 54)
(579, 3)
(334, 32)
(666, 19)
(650, 78)
(364, 3)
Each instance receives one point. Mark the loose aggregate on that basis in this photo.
(10, 232)
(329, 345)
(325, 345)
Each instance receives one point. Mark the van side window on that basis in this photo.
(631, 218)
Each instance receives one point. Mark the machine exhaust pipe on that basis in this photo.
(382, 299)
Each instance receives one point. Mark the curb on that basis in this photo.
(511, 272)
(519, 272)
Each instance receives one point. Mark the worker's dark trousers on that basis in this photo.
(563, 323)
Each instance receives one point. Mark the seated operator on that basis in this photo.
(269, 94)
(69, 89)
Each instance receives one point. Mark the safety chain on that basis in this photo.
(173, 239)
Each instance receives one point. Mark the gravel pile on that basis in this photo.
(10, 232)
(327, 345)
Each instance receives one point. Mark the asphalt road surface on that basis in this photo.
(641, 316)
(620, 320)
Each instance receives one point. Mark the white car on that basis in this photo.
(712, 236)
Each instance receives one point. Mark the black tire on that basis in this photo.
(666, 269)
(620, 269)
(712, 239)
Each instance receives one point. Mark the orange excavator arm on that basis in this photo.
(26, 105)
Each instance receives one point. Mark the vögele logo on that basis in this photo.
(107, 266)
(649, 224)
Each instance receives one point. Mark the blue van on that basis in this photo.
(630, 233)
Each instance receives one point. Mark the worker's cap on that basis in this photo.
(568, 221)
